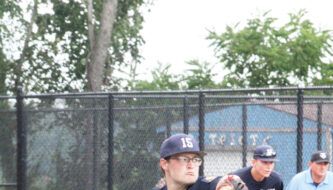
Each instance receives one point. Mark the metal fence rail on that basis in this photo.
(111, 140)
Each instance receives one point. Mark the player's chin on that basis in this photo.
(267, 174)
(190, 179)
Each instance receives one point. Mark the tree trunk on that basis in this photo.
(18, 67)
(98, 55)
(99, 45)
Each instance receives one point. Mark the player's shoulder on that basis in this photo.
(209, 179)
(242, 171)
(205, 183)
(300, 177)
(276, 175)
(275, 178)
(330, 176)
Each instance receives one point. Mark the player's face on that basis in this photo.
(263, 168)
(183, 169)
(319, 170)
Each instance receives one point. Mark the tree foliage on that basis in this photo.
(264, 54)
(49, 50)
(58, 49)
(200, 75)
(162, 80)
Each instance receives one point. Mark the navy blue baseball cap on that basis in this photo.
(265, 153)
(179, 143)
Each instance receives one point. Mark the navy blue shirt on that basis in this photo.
(273, 182)
(203, 183)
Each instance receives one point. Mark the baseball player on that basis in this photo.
(180, 159)
(261, 175)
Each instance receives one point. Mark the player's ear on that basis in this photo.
(253, 161)
(163, 163)
(309, 164)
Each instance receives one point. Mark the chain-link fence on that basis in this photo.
(95, 141)
(7, 143)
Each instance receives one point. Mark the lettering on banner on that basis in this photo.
(233, 139)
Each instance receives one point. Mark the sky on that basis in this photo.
(175, 30)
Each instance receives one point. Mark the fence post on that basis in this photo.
(201, 127)
(168, 122)
(95, 169)
(300, 100)
(110, 140)
(319, 125)
(21, 142)
(244, 134)
(185, 115)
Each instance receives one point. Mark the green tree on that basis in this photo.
(162, 80)
(73, 46)
(263, 54)
(69, 46)
(200, 76)
(326, 77)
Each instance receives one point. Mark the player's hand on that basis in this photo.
(160, 184)
(231, 182)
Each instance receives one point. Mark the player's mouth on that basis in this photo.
(190, 173)
(268, 172)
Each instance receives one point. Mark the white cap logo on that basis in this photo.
(322, 155)
(270, 152)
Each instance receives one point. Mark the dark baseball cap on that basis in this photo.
(265, 153)
(320, 157)
(179, 143)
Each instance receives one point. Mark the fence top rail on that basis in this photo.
(7, 97)
(116, 96)
(163, 107)
(163, 96)
(8, 185)
(173, 92)
(266, 97)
